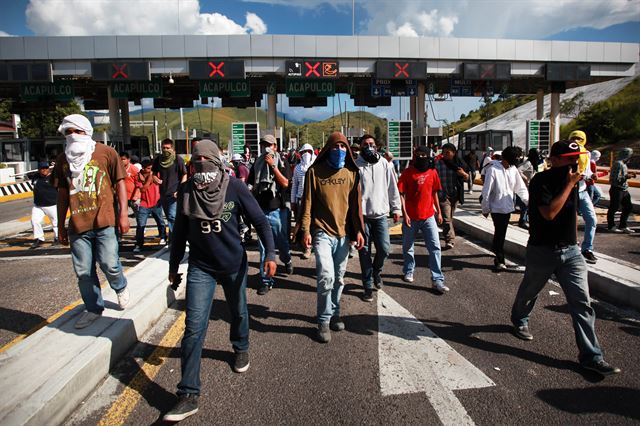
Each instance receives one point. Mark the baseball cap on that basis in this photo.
(43, 165)
(565, 149)
(236, 157)
(270, 139)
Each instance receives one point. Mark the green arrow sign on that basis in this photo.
(230, 88)
(302, 87)
(33, 92)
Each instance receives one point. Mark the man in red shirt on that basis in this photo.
(148, 193)
(129, 181)
(419, 185)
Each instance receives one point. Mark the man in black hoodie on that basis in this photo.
(209, 208)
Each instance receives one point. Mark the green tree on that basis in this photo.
(45, 123)
(574, 106)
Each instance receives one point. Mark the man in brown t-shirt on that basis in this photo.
(86, 175)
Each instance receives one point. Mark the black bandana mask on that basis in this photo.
(370, 155)
(423, 163)
(206, 173)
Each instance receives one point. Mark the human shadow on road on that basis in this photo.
(608, 399)
(19, 322)
(604, 314)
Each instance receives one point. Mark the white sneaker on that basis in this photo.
(137, 249)
(408, 277)
(440, 287)
(86, 319)
(163, 242)
(627, 230)
(123, 298)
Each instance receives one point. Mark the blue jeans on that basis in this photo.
(141, 222)
(101, 246)
(595, 194)
(331, 263)
(278, 219)
(571, 271)
(169, 205)
(524, 211)
(429, 229)
(588, 213)
(376, 231)
(201, 287)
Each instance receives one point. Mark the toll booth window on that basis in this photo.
(36, 150)
(12, 151)
(499, 142)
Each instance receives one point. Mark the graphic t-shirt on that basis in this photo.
(91, 199)
(418, 189)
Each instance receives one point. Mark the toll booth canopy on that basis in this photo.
(481, 140)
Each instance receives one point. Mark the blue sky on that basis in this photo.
(579, 20)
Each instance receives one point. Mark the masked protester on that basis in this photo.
(86, 176)
(380, 196)
(209, 208)
(553, 250)
(452, 177)
(619, 192)
(44, 204)
(419, 185)
(170, 171)
(307, 157)
(331, 221)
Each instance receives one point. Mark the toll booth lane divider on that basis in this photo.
(612, 280)
(52, 371)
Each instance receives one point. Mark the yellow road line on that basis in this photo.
(122, 408)
(14, 197)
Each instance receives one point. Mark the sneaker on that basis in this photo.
(56, 242)
(523, 225)
(589, 257)
(307, 253)
(86, 319)
(626, 230)
(448, 246)
(324, 334)
(186, 406)
(499, 267)
(163, 242)
(352, 251)
(36, 243)
(522, 332)
(137, 249)
(336, 323)
(615, 230)
(241, 362)
(289, 268)
(368, 295)
(123, 298)
(377, 283)
(601, 367)
(408, 277)
(440, 287)
(264, 289)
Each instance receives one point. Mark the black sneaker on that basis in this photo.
(589, 257)
(499, 267)
(601, 367)
(56, 242)
(186, 406)
(377, 283)
(324, 334)
(241, 362)
(522, 332)
(36, 243)
(368, 295)
(336, 324)
(289, 268)
(264, 289)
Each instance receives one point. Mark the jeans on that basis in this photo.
(376, 231)
(595, 194)
(278, 219)
(570, 269)
(500, 225)
(141, 222)
(96, 245)
(448, 207)
(524, 211)
(169, 205)
(619, 197)
(429, 229)
(589, 216)
(472, 178)
(331, 263)
(201, 287)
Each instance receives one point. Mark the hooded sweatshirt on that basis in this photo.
(500, 187)
(332, 200)
(379, 187)
(583, 160)
(619, 171)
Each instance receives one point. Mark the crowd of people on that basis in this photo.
(340, 200)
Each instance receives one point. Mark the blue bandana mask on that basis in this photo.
(336, 158)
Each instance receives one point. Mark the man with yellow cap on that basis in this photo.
(585, 205)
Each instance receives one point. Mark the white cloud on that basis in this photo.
(105, 17)
(405, 30)
(5, 34)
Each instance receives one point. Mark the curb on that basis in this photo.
(610, 279)
(71, 363)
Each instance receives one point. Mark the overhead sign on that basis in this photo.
(22, 71)
(401, 70)
(225, 88)
(272, 88)
(387, 87)
(567, 72)
(143, 89)
(121, 70)
(461, 87)
(301, 87)
(33, 92)
(311, 68)
(538, 134)
(245, 134)
(400, 139)
(486, 71)
(216, 69)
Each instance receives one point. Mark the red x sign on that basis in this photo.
(119, 71)
(312, 69)
(216, 69)
(401, 69)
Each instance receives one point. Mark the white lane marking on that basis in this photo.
(36, 257)
(413, 359)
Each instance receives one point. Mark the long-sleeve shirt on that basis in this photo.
(379, 187)
(297, 184)
(618, 177)
(500, 187)
(215, 245)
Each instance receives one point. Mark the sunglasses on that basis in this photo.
(71, 131)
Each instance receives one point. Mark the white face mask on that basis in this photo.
(306, 158)
(78, 151)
